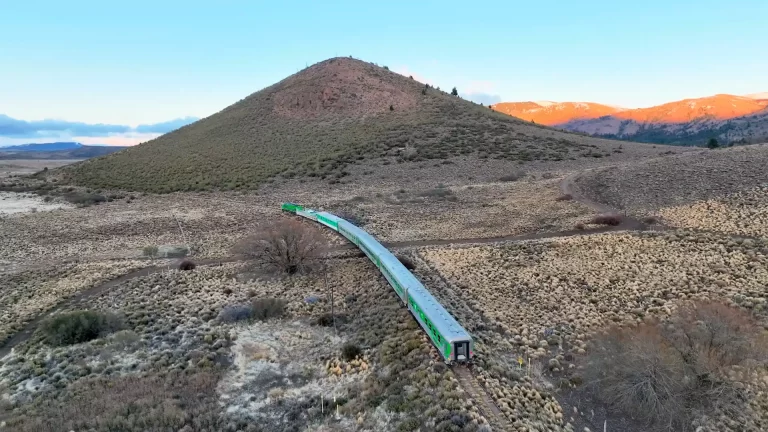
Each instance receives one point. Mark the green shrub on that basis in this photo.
(150, 251)
(513, 176)
(266, 308)
(234, 313)
(79, 326)
(84, 199)
(349, 351)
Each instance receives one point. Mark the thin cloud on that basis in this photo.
(483, 98)
(165, 127)
(404, 71)
(14, 131)
(10, 127)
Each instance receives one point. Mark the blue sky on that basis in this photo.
(135, 63)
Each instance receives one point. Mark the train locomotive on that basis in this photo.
(449, 337)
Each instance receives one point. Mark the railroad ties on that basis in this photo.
(477, 393)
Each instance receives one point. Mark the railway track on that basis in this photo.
(484, 402)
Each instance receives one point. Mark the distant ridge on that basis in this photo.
(42, 147)
(728, 118)
(56, 150)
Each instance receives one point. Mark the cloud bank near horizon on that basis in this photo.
(14, 131)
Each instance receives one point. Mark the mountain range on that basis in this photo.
(56, 150)
(728, 118)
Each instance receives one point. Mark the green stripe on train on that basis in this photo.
(291, 207)
(330, 223)
(437, 338)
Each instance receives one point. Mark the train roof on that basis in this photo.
(445, 323)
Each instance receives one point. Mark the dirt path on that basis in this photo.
(568, 187)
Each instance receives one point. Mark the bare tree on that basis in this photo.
(287, 245)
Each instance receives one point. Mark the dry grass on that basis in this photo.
(743, 213)
(666, 374)
(679, 180)
(281, 368)
(545, 300)
(155, 402)
(464, 211)
(213, 223)
(25, 295)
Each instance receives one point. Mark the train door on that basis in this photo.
(461, 351)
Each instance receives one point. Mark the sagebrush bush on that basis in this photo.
(234, 313)
(667, 373)
(266, 308)
(406, 262)
(349, 351)
(150, 251)
(611, 219)
(565, 197)
(326, 320)
(187, 265)
(513, 176)
(79, 326)
(650, 220)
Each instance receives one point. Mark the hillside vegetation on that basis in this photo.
(317, 122)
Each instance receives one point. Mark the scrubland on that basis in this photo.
(25, 295)
(742, 213)
(284, 373)
(544, 302)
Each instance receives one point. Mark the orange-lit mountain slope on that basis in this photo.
(553, 113)
(729, 118)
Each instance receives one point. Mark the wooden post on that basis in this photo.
(325, 276)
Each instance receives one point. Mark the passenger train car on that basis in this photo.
(451, 340)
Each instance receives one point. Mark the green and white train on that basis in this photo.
(450, 338)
